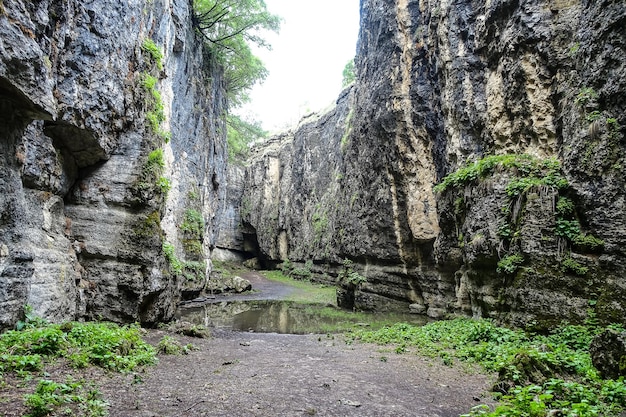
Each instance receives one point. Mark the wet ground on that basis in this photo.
(252, 366)
(269, 374)
(250, 373)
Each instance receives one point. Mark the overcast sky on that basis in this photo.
(317, 39)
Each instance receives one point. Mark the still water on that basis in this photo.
(274, 316)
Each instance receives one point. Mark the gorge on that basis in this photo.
(117, 192)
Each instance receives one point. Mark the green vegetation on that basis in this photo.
(176, 266)
(585, 96)
(348, 129)
(39, 343)
(536, 373)
(229, 28)
(154, 51)
(191, 270)
(156, 110)
(349, 276)
(170, 346)
(304, 291)
(570, 265)
(151, 175)
(348, 74)
(193, 223)
(530, 172)
(510, 264)
(240, 133)
(50, 396)
(298, 272)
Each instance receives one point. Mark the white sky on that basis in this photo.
(316, 40)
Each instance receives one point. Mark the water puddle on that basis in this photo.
(274, 316)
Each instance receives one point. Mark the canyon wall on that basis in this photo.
(533, 233)
(112, 159)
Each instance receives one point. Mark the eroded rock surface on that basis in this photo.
(439, 85)
(84, 212)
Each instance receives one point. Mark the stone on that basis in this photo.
(75, 140)
(608, 354)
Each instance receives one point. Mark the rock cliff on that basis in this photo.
(516, 108)
(112, 158)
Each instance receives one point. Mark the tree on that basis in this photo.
(240, 133)
(230, 27)
(348, 74)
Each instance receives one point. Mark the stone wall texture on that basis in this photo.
(90, 189)
(440, 84)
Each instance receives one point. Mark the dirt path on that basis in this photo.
(252, 374)
(268, 374)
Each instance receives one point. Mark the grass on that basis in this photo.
(25, 353)
(304, 291)
(536, 373)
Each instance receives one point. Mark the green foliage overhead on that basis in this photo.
(240, 134)
(348, 74)
(230, 27)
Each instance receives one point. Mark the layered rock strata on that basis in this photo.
(439, 85)
(110, 143)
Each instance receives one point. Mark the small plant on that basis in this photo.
(170, 346)
(536, 373)
(193, 223)
(510, 264)
(164, 185)
(505, 231)
(349, 276)
(593, 116)
(564, 207)
(586, 242)
(569, 229)
(585, 96)
(50, 396)
(154, 51)
(570, 265)
(170, 254)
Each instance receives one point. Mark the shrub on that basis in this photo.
(570, 265)
(510, 264)
(154, 51)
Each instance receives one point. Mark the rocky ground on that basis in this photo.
(253, 374)
(269, 374)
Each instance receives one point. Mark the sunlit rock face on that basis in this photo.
(438, 85)
(83, 214)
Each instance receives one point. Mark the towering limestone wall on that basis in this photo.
(535, 91)
(112, 159)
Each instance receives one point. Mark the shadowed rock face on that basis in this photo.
(441, 84)
(82, 215)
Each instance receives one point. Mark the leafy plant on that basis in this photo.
(536, 373)
(588, 242)
(349, 276)
(348, 74)
(570, 265)
(585, 96)
(229, 28)
(193, 223)
(50, 395)
(175, 264)
(510, 264)
(569, 229)
(170, 346)
(154, 51)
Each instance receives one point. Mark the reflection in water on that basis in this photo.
(271, 316)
